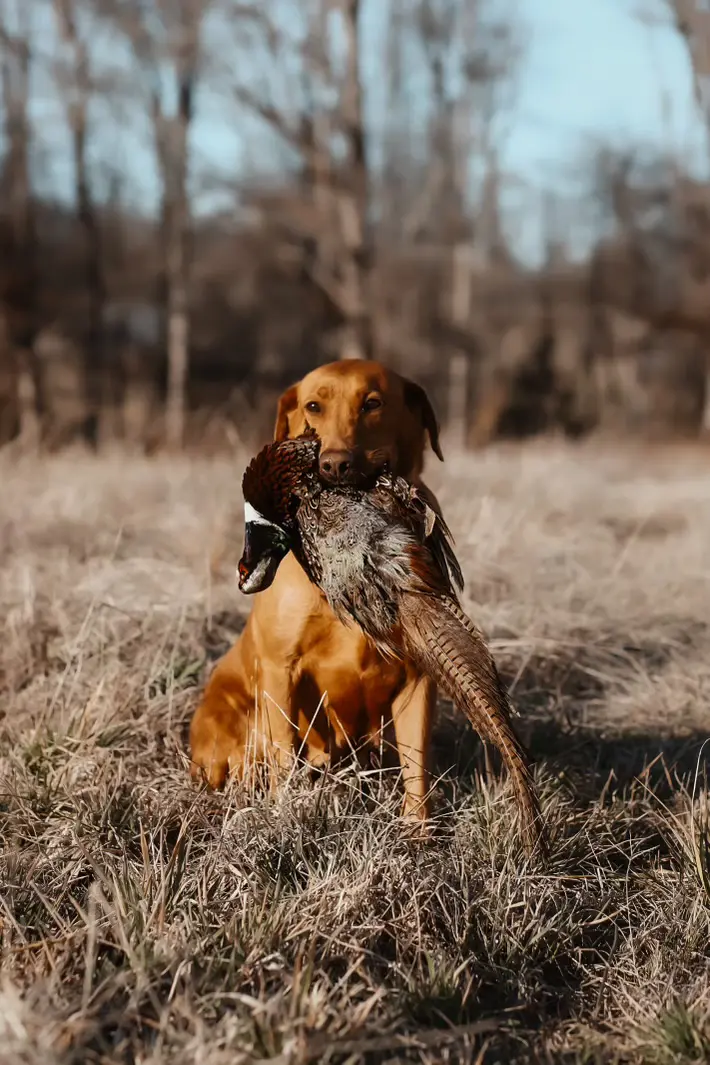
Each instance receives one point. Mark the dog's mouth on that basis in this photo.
(361, 476)
(377, 463)
(363, 479)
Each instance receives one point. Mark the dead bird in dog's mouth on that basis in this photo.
(384, 560)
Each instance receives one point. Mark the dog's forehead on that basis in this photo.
(346, 378)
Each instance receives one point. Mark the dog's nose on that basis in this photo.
(336, 466)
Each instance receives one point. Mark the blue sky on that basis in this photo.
(591, 71)
(594, 70)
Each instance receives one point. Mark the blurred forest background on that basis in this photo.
(369, 215)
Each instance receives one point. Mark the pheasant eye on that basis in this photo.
(373, 403)
(313, 407)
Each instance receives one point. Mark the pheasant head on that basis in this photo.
(272, 486)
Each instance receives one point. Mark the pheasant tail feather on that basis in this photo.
(449, 647)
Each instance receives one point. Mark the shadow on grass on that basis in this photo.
(554, 694)
(593, 764)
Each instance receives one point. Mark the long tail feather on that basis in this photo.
(448, 646)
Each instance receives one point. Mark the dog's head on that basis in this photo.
(366, 417)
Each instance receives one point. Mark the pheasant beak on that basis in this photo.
(265, 545)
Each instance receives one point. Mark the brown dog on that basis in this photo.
(297, 680)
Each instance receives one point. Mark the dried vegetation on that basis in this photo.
(144, 921)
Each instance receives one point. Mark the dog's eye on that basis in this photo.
(313, 407)
(373, 403)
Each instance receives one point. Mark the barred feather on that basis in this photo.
(273, 479)
(446, 645)
(394, 575)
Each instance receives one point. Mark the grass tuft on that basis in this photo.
(143, 919)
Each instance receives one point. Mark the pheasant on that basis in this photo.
(384, 560)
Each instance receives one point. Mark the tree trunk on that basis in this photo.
(176, 216)
(78, 92)
(705, 420)
(353, 201)
(28, 400)
(458, 361)
(178, 362)
(95, 368)
(19, 281)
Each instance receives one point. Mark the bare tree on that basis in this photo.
(653, 261)
(320, 118)
(18, 224)
(692, 21)
(353, 198)
(656, 252)
(75, 79)
(368, 211)
(166, 39)
(471, 59)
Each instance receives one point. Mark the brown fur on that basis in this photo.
(297, 680)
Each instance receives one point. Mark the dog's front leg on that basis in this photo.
(275, 734)
(412, 716)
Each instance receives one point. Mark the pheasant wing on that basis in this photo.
(273, 479)
(414, 509)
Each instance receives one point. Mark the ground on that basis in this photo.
(145, 920)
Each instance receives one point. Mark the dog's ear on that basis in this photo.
(287, 405)
(419, 403)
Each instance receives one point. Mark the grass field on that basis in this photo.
(145, 921)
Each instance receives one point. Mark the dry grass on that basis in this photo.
(144, 921)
